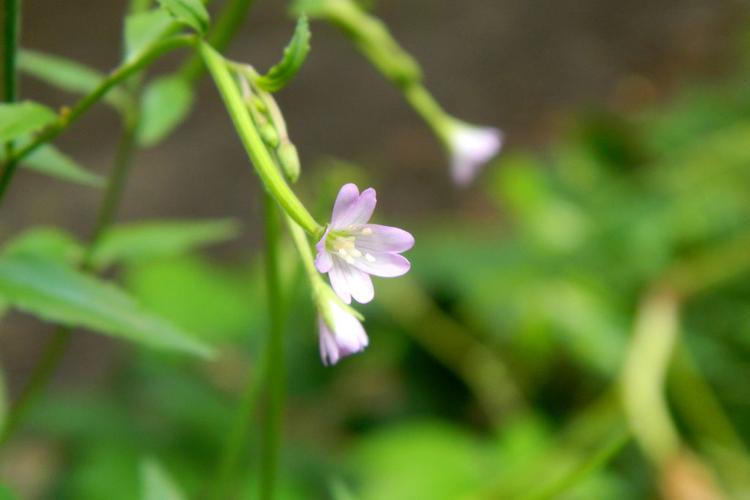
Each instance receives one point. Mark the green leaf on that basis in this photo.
(48, 243)
(143, 29)
(17, 119)
(295, 54)
(147, 240)
(166, 103)
(189, 12)
(156, 484)
(6, 493)
(67, 75)
(61, 294)
(51, 161)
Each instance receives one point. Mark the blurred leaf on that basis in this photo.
(6, 493)
(189, 12)
(61, 294)
(419, 460)
(295, 54)
(166, 102)
(156, 484)
(17, 119)
(144, 28)
(65, 74)
(148, 240)
(214, 302)
(49, 160)
(46, 242)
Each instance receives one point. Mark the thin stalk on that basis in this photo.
(69, 116)
(256, 150)
(229, 20)
(10, 54)
(275, 355)
(58, 343)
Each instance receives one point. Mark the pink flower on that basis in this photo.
(471, 147)
(341, 333)
(351, 249)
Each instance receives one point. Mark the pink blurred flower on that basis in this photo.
(471, 147)
(341, 333)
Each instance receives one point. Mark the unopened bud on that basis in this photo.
(269, 135)
(289, 160)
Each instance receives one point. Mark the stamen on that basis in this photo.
(366, 230)
(369, 257)
(355, 253)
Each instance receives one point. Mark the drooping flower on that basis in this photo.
(471, 147)
(351, 249)
(341, 333)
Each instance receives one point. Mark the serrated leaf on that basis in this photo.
(18, 119)
(67, 75)
(156, 484)
(49, 160)
(166, 102)
(144, 28)
(48, 243)
(61, 294)
(295, 54)
(148, 240)
(189, 12)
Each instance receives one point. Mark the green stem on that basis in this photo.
(10, 54)
(227, 23)
(275, 355)
(68, 117)
(598, 460)
(58, 343)
(259, 155)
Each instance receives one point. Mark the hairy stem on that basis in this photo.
(274, 354)
(69, 116)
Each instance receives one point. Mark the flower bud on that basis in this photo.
(289, 160)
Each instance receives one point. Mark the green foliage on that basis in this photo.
(294, 57)
(6, 493)
(51, 161)
(144, 28)
(19, 119)
(148, 240)
(46, 243)
(189, 12)
(165, 104)
(157, 485)
(65, 74)
(59, 293)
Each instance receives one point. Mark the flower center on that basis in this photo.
(343, 244)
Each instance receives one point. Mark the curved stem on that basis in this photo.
(58, 343)
(259, 155)
(69, 116)
(274, 354)
(226, 25)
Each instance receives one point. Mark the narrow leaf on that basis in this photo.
(147, 240)
(51, 161)
(67, 75)
(189, 12)
(143, 29)
(61, 294)
(166, 103)
(17, 119)
(48, 243)
(156, 484)
(295, 54)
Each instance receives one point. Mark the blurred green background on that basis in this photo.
(620, 206)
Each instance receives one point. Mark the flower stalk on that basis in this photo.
(252, 141)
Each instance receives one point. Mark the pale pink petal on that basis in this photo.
(375, 238)
(323, 261)
(472, 147)
(329, 351)
(343, 337)
(352, 207)
(385, 265)
(348, 281)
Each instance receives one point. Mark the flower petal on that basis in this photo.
(385, 265)
(472, 147)
(351, 207)
(323, 262)
(343, 337)
(375, 238)
(348, 281)
(329, 351)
